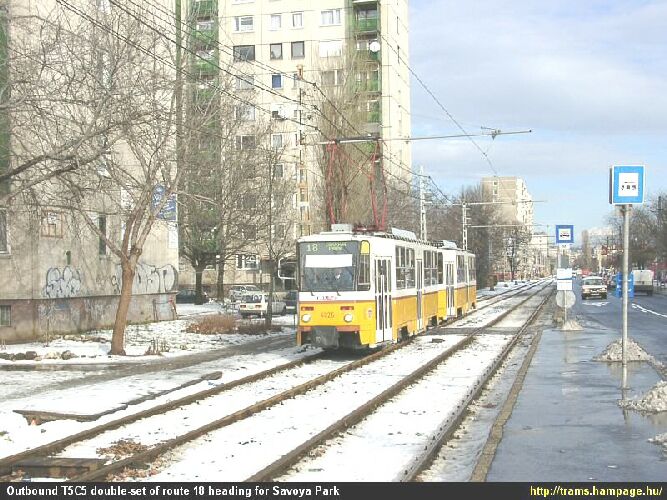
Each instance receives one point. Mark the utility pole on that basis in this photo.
(464, 225)
(422, 205)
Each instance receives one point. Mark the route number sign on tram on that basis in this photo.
(626, 185)
(564, 234)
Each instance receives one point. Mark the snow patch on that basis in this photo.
(653, 401)
(634, 352)
(660, 439)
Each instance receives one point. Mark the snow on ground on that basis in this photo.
(634, 352)
(501, 287)
(93, 347)
(16, 434)
(653, 401)
(660, 439)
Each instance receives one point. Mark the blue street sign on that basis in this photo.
(626, 185)
(619, 286)
(564, 234)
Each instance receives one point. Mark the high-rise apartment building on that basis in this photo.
(293, 55)
(516, 203)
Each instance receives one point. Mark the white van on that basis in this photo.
(643, 281)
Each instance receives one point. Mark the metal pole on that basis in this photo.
(626, 265)
(422, 205)
(464, 227)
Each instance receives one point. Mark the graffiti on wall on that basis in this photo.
(149, 279)
(63, 283)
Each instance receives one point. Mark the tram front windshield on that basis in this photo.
(328, 266)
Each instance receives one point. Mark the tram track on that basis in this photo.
(292, 460)
(8, 464)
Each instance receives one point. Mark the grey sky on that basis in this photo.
(588, 77)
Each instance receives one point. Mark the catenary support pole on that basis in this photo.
(626, 277)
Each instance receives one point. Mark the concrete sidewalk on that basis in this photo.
(567, 424)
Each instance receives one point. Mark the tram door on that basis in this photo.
(383, 313)
(420, 293)
(451, 310)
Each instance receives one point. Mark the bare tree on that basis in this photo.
(56, 103)
(136, 181)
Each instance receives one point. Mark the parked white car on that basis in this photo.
(593, 286)
(256, 304)
(236, 292)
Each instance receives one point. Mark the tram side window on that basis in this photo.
(364, 272)
(430, 268)
(440, 269)
(400, 267)
(471, 269)
(460, 269)
(409, 268)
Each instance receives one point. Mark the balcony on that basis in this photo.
(373, 117)
(202, 8)
(366, 25)
(368, 86)
(365, 55)
(204, 67)
(205, 37)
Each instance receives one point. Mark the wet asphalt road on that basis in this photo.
(647, 318)
(567, 424)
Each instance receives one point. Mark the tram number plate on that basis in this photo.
(328, 315)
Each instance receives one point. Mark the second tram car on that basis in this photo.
(360, 289)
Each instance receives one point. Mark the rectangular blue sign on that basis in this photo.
(564, 234)
(626, 184)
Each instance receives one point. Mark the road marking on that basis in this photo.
(643, 309)
(595, 304)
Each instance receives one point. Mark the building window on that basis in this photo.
(245, 83)
(243, 24)
(245, 142)
(52, 224)
(303, 195)
(245, 112)
(205, 24)
(330, 17)
(305, 214)
(303, 175)
(102, 226)
(331, 48)
(245, 262)
(276, 21)
(332, 77)
(276, 81)
(4, 246)
(244, 53)
(249, 232)
(276, 50)
(298, 50)
(278, 171)
(279, 231)
(297, 19)
(276, 141)
(248, 202)
(5, 315)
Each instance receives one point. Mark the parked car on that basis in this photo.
(593, 286)
(238, 291)
(188, 296)
(256, 304)
(291, 300)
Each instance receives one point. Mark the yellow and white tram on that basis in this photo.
(359, 290)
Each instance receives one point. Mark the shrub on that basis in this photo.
(212, 325)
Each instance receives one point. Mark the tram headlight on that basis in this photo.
(348, 318)
(305, 318)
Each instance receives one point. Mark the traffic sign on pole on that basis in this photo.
(564, 234)
(626, 185)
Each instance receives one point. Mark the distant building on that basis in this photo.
(515, 204)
